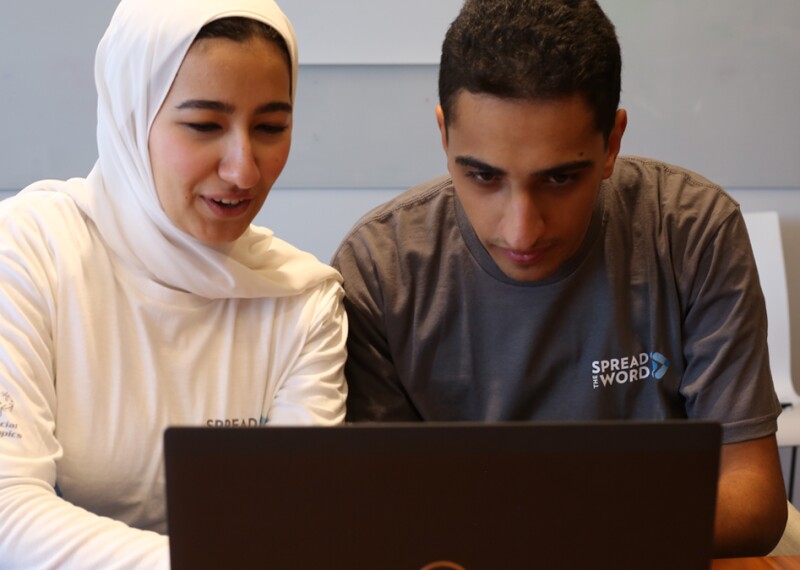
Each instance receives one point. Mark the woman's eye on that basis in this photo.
(203, 127)
(271, 129)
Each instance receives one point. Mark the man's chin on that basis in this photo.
(536, 265)
(530, 272)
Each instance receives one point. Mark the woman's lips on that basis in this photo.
(227, 207)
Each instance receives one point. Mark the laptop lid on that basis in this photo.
(443, 496)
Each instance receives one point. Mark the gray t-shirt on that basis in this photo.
(659, 315)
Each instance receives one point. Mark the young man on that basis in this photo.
(549, 279)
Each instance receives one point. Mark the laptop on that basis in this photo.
(451, 496)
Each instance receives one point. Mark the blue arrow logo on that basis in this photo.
(660, 364)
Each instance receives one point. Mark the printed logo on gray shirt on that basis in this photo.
(629, 369)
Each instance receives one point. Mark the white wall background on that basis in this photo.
(710, 85)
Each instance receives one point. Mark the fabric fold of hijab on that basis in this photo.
(137, 60)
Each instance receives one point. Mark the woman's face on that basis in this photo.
(222, 136)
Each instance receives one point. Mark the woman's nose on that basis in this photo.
(239, 167)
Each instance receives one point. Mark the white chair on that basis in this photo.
(765, 237)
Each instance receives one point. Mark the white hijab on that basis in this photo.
(137, 60)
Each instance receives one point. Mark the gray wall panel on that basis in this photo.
(370, 31)
(714, 86)
(47, 96)
(364, 127)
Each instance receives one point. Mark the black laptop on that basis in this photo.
(443, 496)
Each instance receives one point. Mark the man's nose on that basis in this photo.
(523, 223)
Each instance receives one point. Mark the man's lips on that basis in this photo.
(525, 257)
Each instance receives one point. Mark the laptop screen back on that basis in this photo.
(475, 496)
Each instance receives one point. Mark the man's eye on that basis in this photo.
(482, 177)
(561, 179)
(203, 127)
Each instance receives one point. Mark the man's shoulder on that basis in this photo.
(420, 198)
(640, 169)
(643, 185)
(413, 211)
(668, 211)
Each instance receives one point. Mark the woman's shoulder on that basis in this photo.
(291, 262)
(41, 214)
(40, 201)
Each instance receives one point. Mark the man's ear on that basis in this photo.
(442, 126)
(615, 141)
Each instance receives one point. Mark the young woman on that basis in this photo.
(141, 296)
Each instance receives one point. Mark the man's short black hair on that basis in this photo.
(533, 50)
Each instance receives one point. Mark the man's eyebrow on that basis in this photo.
(478, 164)
(209, 105)
(565, 168)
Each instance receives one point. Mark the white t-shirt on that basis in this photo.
(96, 360)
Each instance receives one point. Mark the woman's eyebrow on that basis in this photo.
(207, 105)
(274, 106)
(210, 105)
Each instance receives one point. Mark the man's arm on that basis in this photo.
(727, 379)
(375, 392)
(751, 499)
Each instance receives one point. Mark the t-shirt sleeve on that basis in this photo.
(375, 390)
(313, 391)
(38, 529)
(727, 376)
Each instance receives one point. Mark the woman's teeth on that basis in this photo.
(225, 202)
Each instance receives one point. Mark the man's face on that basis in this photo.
(528, 173)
